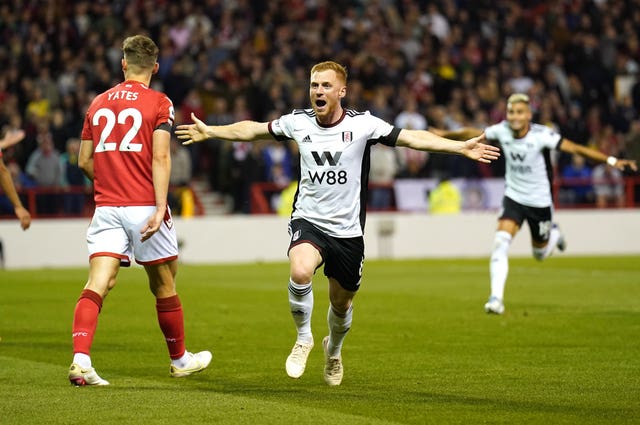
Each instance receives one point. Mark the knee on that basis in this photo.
(341, 306)
(340, 299)
(300, 275)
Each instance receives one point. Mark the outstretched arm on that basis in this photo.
(242, 131)
(463, 133)
(594, 154)
(474, 148)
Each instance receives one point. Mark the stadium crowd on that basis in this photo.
(446, 64)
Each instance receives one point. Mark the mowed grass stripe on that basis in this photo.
(421, 349)
(136, 400)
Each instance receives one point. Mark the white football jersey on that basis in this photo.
(334, 167)
(527, 166)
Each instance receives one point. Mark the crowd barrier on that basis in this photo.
(263, 237)
(407, 195)
(77, 201)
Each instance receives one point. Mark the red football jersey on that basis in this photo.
(121, 122)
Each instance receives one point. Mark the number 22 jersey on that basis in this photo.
(120, 122)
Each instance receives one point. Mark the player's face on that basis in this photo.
(519, 117)
(325, 92)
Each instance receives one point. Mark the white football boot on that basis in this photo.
(297, 360)
(494, 306)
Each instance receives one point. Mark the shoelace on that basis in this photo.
(300, 351)
(333, 365)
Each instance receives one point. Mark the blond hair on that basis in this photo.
(518, 98)
(340, 70)
(140, 52)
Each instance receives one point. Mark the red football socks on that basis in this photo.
(85, 320)
(171, 321)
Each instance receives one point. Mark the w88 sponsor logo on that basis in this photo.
(330, 177)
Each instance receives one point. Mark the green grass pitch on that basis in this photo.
(421, 350)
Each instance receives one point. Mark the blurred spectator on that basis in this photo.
(383, 169)
(474, 196)
(445, 198)
(519, 82)
(278, 163)
(632, 141)
(632, 151)
(61, 130)
(412, 162)
(180, 196)
(48, 87)
(244, 168)
(286, 198)
(43, 166)
(577, 188)
(608, 185)
(72, 180)
(635, 94)
(217, 163)
(38, 106)
(192, 104)
(574, 129)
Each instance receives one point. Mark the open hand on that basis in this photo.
(621, 164)
(192, 133)
(481, 152)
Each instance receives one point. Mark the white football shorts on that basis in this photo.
(115, 232)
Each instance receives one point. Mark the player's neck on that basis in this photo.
(519, 134)
(333, 118)
(140, 78)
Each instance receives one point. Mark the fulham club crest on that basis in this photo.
(347, 136)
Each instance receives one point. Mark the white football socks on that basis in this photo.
(553, 241)
(182, 362)
(301, 306)
(499, 267)
(82, 359)
(339, 325)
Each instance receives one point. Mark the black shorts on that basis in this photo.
(343, 258)
(539, 219)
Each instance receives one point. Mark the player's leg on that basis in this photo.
(102, 278)
(561, 244)
(545, 235)
(171, 320)
(339, 318)
(509, 223)
(168, 306)
(499, 265)
(109, 247)
(345, 262)
(159, 256)
(339, 315)
(304, 259)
